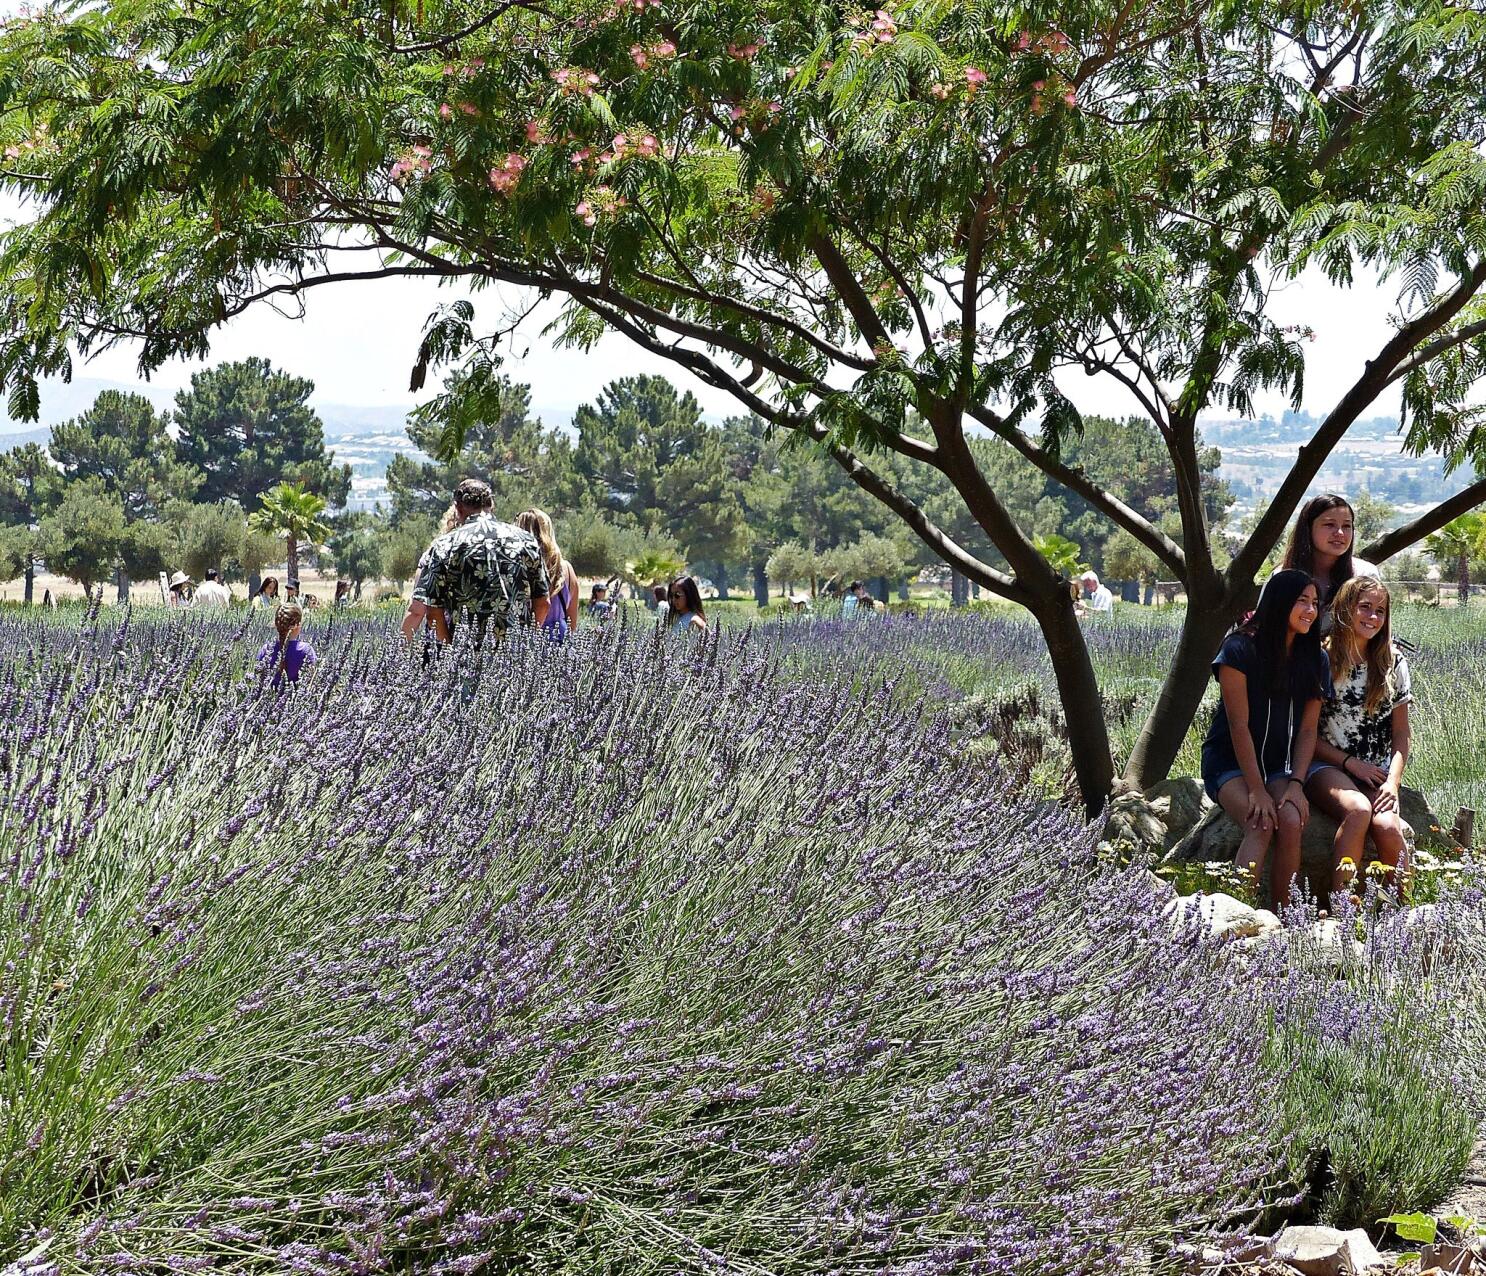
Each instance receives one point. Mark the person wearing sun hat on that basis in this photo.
(178, 591)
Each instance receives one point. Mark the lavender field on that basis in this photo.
(732, 956)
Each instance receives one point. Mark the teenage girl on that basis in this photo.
(1321, 545)
(1257, 756)
(1364, 740)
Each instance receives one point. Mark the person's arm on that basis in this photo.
(1300, 758)
(1234, 684)
(1387, 795)
(538, 585)
(572, 595)
(412, 619)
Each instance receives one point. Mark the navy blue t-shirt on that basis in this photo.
(1274, 716)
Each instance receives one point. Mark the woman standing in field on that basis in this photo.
(1363, 746)
(562, 601)
(268, 593)
(686, 614)
(1259, 747)
(289, 656)
(1321, 546)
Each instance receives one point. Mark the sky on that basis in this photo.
(357, 341)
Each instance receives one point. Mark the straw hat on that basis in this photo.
(179, 579)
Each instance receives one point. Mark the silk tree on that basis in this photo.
(884, 230)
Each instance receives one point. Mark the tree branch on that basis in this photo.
(1373, 381)
(1400, 538)
(1437, 347)
(1076, 481)
(863, 476)
(444, 41)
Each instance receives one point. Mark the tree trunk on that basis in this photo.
(1150, 593)
(1463, 579)
(1083, 708)
(957, 589)
(121, 581)
(722, 583)
(255, 581)
(761, 586)
(30, 594)
(882, 593)
(1181, 693)
(291, 561)
(974, 591)
(903, 595)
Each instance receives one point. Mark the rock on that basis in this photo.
(1163, 890)
(1325, 1251)
(1223, 916)
(1133, 820)
(1454, 1260)
(1215, 839)
(1180, 804)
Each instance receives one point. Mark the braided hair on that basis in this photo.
(285, 620)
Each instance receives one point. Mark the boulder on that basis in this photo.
(1326, 1251)
(1223, 916)
(1180, 804)
(1215, 839)
(1327, 946)
(1134, 822)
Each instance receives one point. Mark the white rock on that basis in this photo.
(1223, 916)
(1326, 1251)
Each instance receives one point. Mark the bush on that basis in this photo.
(630, 965)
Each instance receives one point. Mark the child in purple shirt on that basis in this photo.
(288, 656)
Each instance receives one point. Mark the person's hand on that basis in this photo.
(1261, 809)
(1386, 798)
(1366, 773)
(1295, 795)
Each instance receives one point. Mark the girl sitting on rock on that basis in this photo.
(1364, 740)
(1258, 752)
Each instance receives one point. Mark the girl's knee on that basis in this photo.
(1290, 822)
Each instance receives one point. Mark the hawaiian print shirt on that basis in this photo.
(1350, 728)
(485, 569)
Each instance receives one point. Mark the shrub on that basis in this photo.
(629, 965)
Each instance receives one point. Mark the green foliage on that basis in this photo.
(792, 563)
(206, 536)
(403, 545)
(292, 513)
(17, 550)
(356, 544)
(593, 545)
(1062, 554)
(122, 441)
(654, 564)
(502, 443)
(1395, 1136)
(86, 537)
(247, 426)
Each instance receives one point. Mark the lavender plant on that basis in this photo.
(651, 958)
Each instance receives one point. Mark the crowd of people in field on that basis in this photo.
(1314, 711)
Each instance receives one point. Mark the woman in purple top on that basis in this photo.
(288, 656)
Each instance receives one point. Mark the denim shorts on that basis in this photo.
(1211, 787)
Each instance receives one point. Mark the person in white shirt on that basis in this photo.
(211, 592)
(1096, 599)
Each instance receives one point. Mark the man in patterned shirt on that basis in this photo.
(487, 570)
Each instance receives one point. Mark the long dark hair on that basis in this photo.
(1300, 674)
(1300, 553)
(688, 587)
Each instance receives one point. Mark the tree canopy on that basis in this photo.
(877, 229)
(247, 426)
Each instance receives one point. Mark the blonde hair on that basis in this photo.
(539, 525)
(1347, 652)
(450, 520)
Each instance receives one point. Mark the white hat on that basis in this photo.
(180, 578)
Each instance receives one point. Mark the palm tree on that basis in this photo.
(1457, 542)
(293, 513)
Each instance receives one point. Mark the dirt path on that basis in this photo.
(1470, 1200)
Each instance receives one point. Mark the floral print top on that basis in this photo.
(1350, 728)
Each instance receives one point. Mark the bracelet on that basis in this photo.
(1345, 772)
